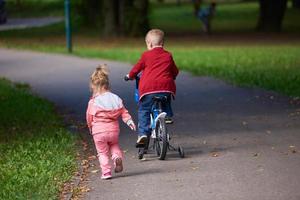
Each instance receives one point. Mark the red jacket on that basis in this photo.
(158, 72)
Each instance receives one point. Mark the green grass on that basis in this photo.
(229, 17)
(275, 68)
(37, 153)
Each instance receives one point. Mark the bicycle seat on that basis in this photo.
(160, 98)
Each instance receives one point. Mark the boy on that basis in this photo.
(158, 74)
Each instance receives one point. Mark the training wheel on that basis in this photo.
(181, 152)
(141, 153)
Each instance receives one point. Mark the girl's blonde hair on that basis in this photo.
(99, 78)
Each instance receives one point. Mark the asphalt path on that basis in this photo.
(23, 23)
(240, 143)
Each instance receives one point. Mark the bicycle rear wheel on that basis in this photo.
(161, 140)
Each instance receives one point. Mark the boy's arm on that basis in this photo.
(137, 68)
(174, 68)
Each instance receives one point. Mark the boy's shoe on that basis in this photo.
(118, 165)
(141, 141)
(106, 176)
(169, 120)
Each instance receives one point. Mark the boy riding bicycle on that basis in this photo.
(158, 74)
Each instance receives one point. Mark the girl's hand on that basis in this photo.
(131, 124)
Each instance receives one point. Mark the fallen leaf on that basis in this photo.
(294, 151)
(94, 171)
(84, 189)
(92, 157)
(256, 155)
(214, 154)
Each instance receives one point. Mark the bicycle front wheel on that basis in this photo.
(161, 143)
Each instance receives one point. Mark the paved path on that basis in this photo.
(252, 132)
(20, 23)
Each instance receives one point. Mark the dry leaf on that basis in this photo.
(256, 155)
(92, 157)
(214, 154)
(294, 151)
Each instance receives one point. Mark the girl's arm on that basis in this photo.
(89, 116)
(126, 117)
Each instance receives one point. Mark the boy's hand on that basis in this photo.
(131, 124)
(126, 78)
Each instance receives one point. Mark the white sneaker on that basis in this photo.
(106, 176)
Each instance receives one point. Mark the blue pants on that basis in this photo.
(145, 106)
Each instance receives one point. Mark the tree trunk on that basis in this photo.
(90, 12)
(116, 17)
(296, 3)
(271, 15)
(134, 19)
(110, 10)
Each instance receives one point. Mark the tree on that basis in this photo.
(116, 17)
(296, 3)
(271, 15)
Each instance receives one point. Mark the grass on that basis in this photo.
(37, 153)
(235, 53)
(229, 17)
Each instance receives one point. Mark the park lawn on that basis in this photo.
(37, 153)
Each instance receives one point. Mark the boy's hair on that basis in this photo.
(156, 36)
(99, 77)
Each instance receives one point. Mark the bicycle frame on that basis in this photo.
(156, 111)
(160, 135)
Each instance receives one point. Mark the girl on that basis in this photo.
(104, 109)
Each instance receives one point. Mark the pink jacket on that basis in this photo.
(103, 112)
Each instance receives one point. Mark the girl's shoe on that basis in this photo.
(106, 176)
(118, 165)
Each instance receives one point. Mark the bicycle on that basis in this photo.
(159, 133)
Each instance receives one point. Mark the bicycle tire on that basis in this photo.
(161, 139)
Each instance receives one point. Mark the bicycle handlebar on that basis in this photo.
(126, 78)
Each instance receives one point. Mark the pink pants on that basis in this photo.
(107, 144)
